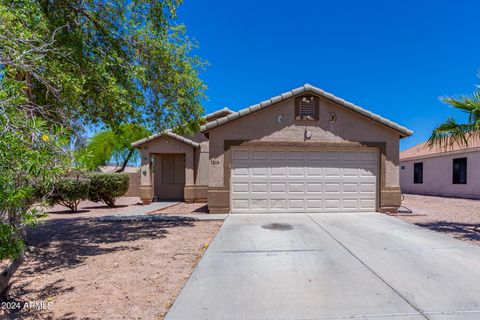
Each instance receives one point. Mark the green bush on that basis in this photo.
(69, 192)
(107, 187)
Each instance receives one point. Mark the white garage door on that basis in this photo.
(277, 180)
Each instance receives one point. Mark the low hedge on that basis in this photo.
(107, 187)
(69, 192)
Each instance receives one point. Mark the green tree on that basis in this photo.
(69, 63)
(452, 132)
(109, 145)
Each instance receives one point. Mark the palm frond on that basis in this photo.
(450, 133)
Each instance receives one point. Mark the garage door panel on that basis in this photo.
(367, 187)
(350, 187)
(278, 172)
(278, 155)
(278, 187)
(332, 204)
(350, 204)
(259, 172)
(367, 204)
(240, 154)
(315, 172)
(279, 204)
(314, 187)
(259, 187)
(259, 204)
(274, 180)
(296, 187)
(331, 171)
(315, 204)
(239, 204)
(296, 171)
(259, 155)
(296, 155)
(240, 187)
(296, 204)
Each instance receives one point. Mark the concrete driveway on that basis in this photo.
(331, 266)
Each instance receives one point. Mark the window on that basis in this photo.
(403, 167)
(460, 171)
(418, 172)
(306, 108)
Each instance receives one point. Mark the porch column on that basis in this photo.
(146, 188)
(189, 191)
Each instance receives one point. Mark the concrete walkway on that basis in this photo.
(331, 266)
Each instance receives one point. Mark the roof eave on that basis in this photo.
(167, 133)
(404, 132)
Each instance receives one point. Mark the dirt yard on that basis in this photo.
(456, 217)
(90, 209)
(89, 269)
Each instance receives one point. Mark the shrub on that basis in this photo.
(107, 187)
(69, 192)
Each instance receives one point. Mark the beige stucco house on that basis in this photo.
(451, 172)
(302, 151)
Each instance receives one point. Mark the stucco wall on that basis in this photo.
(170, 145)
(277, 125)
(133, 185)
(196, 165)
(264, 126)
(437, 176)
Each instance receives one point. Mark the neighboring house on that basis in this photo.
(302, 151)
(451, 172)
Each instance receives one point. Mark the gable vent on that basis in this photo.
(306, 108)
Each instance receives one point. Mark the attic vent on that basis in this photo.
(306, 108)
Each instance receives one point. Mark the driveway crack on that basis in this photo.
(370, 269)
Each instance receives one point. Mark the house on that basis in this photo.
(305, 150)
(451, 172)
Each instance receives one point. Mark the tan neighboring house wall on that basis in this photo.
(438, 173)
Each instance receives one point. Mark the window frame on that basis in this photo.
(456, 174)
(418, 176)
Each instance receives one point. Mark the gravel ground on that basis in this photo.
(108, 270)
(453, 216)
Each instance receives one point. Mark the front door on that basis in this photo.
(169, 176)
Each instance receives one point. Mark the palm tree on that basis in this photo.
(451, 132)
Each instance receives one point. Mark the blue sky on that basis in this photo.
(394, 58)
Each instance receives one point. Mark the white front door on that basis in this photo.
(291, 180)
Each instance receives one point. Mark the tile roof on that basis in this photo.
(224, 111)
(168, 132)
(295, 92)
(423, 150)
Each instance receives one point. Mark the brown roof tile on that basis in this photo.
(422, 149)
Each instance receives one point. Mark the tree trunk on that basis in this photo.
(7, 274)
(126, 161)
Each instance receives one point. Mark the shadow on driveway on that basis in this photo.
(461, 231)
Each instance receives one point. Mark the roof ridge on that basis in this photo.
(294, 92)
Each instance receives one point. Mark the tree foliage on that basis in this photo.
(115, 145)
(69, 63)
(451, 132)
